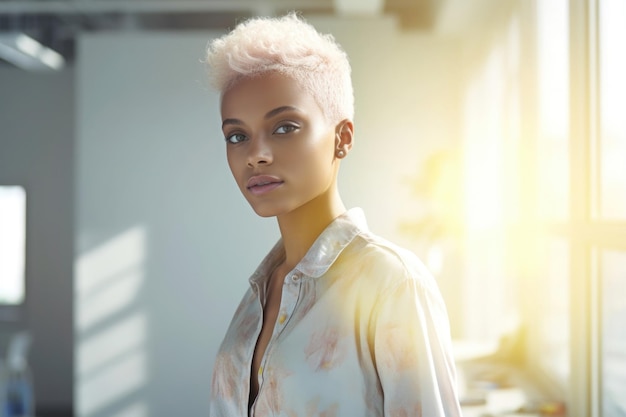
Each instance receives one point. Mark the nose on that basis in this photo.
(259, 152)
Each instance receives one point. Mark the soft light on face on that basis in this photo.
(280, 146)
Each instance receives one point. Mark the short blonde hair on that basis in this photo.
(290, 46)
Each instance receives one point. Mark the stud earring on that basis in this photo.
(341, 154)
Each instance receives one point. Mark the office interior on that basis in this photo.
(490, 140)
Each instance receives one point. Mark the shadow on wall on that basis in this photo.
(111, 327)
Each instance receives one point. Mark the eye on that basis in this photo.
(286, 128)
(236, 138)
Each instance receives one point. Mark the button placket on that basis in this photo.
(289, 300)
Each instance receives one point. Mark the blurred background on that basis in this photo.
(490, 140)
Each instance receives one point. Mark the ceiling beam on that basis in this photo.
(22, 7)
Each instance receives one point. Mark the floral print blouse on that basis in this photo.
(362, 331)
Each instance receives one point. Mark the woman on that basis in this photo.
(337, 321)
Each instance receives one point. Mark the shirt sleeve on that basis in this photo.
(413, 352)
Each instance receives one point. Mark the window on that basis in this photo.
(611, 172)
(612, 273)
(609, 207)
(552, 203)
(597, 232)
(12, 244)
(581, 202)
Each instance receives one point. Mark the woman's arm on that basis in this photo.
(413, 355)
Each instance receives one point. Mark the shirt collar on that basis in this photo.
(324, 251)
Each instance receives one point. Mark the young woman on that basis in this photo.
(337, 321)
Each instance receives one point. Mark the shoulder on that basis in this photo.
(388, 264)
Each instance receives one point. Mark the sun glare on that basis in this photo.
(111, 329)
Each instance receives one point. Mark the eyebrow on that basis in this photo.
(269, 115)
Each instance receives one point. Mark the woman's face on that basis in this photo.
(279, 145)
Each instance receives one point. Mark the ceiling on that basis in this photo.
(56, 23)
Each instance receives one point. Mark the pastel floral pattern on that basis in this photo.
(362, 331)
(325, 350)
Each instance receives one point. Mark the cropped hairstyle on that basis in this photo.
(290, 46)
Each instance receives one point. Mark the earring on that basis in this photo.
(341, 154)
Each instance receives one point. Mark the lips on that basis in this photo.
(262, 184)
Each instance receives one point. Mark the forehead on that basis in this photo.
(254, 96)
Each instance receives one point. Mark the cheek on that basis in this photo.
(323, 151)
(315, 162)
(320, 142)
(310, 159)
(231, 160)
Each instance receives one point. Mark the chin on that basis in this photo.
(269, 210)
(265, 210)
(265, 214)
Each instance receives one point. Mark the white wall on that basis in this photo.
(165, 243)
(37, 152)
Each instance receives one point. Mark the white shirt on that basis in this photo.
(362, 331)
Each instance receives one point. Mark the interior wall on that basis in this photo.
(37, 152)
(164, 240)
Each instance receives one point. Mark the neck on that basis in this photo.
(299, 228)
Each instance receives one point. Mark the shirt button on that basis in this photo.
(295, 277)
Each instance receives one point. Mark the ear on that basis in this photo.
(344, 135)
